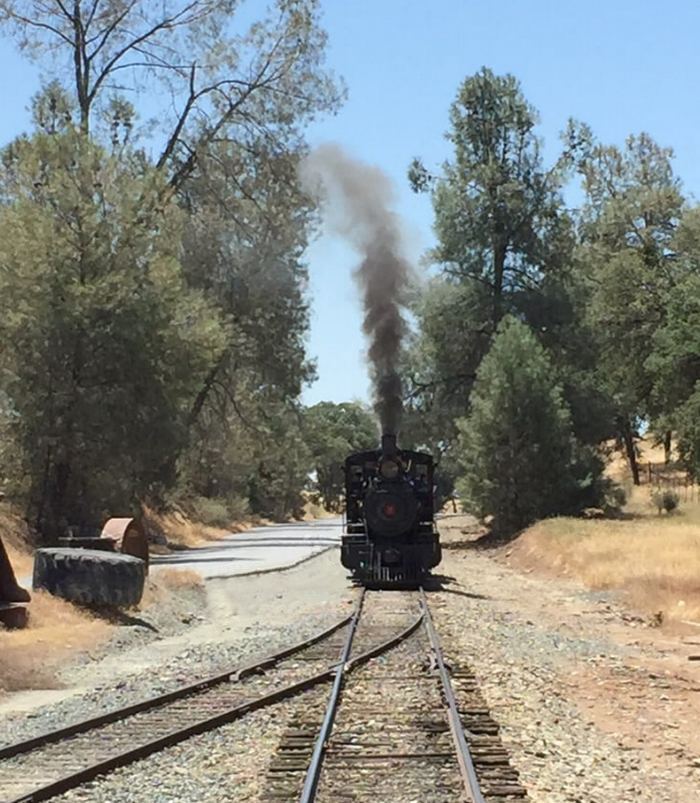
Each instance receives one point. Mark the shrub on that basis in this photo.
(519, 458)
(665, 500)
(213, 512)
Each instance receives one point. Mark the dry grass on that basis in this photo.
(314, 509)
(57, 632)
(184, 532)
(175, 579)
(654, 560)
(165, 582)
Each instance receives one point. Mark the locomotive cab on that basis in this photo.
(390, 535)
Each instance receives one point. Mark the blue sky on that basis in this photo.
(621, 66)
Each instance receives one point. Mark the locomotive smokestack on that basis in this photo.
(358, 199)
(389, 447)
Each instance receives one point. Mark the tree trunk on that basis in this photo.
(630, 451)
(499, 262)
(667, 446)
(204, 391)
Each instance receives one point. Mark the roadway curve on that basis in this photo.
(260, 549)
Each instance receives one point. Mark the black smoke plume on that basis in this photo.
(357, 199)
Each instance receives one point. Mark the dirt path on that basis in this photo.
(595, 704)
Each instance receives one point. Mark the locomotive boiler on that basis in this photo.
(390, 535)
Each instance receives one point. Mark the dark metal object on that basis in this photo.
(346, 665)
(390, 535)
(10, 590)
(466, 764)
(154, 702)
(312, 776)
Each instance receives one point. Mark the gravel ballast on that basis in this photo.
(560, 669)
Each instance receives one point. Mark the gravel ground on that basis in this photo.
(531, 668)
(591, 708)
(228, 764)
(229, 636)
(189, 666)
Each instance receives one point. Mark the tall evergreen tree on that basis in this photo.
(504, 246)
(634, 205)
(517, 453)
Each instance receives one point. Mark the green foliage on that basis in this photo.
(282, 465)
(517, 452)
(629, 257)
(105, 344)
(214, 512)
(687, 421)
(157, 311)
(332, 432)
(498, 214)
(505, 243)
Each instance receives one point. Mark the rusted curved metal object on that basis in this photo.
(130, 537)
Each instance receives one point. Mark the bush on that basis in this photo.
(213, 512)
(665, 500)
(519, 458)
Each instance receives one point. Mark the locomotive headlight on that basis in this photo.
(389, 469)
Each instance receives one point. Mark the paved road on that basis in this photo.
(259, 549)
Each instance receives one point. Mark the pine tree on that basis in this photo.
(516, 447)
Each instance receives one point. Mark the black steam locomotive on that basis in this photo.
(390, 535)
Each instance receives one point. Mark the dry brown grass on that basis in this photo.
(654, 560)
(57, 632)
(166, 581)
(184, 532)
(314, 510)
(175, 579)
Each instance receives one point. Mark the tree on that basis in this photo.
(499, 218)
(674, 362)
(633, 209)
(282, 466)
(517, 453)
(232, 95)
(687, 423)
(503, 239)
(221, 83)
(332, 432)
(103, 343)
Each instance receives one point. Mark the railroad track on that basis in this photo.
(403, 728)
(47, 765)
(406, 730)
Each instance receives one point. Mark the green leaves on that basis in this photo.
(516, 450)
(105, 344)
(332, 432)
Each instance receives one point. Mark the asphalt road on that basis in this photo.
(258, 549)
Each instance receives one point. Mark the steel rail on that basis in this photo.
(313, 775)
(174, 737)
(464, 757)
(235, 675)
(89, 773)
(314, 771)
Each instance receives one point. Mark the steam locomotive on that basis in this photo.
(390, 535)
